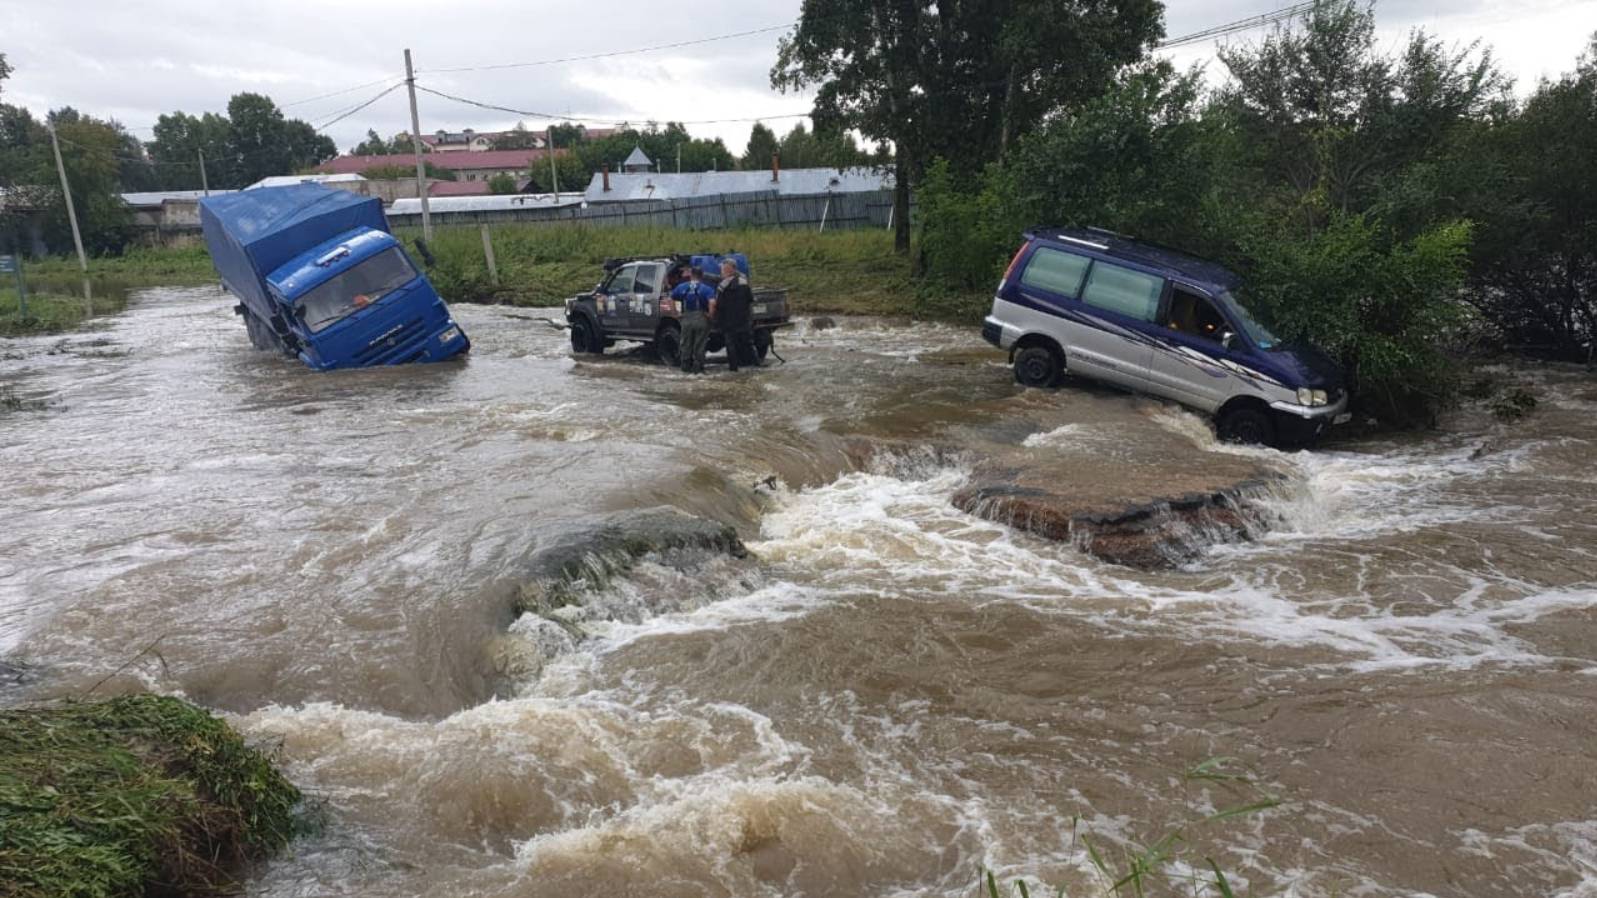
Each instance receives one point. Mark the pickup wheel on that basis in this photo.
(1038, 366)
(668, 345)
(585, 337)
(763, 341)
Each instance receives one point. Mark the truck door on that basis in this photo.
(644, 316)
(615, 299)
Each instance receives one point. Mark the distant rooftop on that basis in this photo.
(492, 203)
(666, 186)
(148, 198)
(286, 180)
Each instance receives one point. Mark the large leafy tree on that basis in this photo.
(252, 141)
(181, 139)
(958, 81)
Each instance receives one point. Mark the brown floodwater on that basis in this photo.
(885, 698)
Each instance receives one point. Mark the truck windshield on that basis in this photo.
(355, 289)
(1256, 333)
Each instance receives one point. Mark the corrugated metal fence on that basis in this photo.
(766, 209)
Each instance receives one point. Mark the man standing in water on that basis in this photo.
(733, 311)
(695, 297)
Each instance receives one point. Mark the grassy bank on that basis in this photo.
(136, 266)
(50, 313)
(136, 795)
(842, 272)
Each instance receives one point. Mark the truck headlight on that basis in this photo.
(449, 336)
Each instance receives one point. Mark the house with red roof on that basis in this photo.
(468, 167)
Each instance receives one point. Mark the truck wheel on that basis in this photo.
(1038, 366)
(1246, 424)
(762, 344)
(668, 346)
(714, 344)
(253, 325)
(583, 336)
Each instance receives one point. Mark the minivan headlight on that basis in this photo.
(1310, 397)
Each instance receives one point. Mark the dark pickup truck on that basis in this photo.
(634, 303)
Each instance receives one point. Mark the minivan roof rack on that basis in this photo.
(1146, 252)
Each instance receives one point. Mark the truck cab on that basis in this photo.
(319, 277)
(358, 300)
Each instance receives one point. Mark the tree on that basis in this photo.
(762, 145)
(394, 171)
(181, 138)
(574, 175)
(5, 72)
(956, 82)
(1535, 270)
(371, 146)
(501, 183)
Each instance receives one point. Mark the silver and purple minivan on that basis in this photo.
(1135, 315)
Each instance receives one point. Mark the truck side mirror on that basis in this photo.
(1227, 338)
(426, 254)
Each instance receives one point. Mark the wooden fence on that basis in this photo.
(765, 209)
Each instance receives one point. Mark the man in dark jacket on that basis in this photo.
(733, 310)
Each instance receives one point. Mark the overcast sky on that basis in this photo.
(134, 61)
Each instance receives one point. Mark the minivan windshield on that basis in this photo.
(1256, 333)
(355, 289)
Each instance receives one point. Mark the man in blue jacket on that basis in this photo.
(694, 296)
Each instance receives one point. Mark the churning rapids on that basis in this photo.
(884, 697)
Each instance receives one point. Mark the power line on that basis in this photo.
(650, 49)
(1251, 22)
(344, 114)
(604, 121)
(339, 93)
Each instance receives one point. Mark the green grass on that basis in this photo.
(50, 313)
(142, 794)
(841, 272)
(138, 265)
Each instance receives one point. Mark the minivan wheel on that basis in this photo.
(1038, 366)
(1247, 425)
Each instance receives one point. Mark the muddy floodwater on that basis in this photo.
(885, 696)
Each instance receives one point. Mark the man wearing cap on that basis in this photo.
(694, 296)
(733, 310)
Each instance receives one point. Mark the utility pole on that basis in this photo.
(66, 192)
(679, 158)
(415, 145)
(554, 171)
(205, 183)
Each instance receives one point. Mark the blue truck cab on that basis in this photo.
(320, 278)
(1154, 320)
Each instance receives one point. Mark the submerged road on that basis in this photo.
(888, 696)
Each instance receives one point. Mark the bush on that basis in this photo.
(1384, 308)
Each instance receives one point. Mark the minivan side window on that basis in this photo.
(1195, 316)
(1130, 293)
(1055, 271)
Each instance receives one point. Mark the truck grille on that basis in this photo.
(393, 346)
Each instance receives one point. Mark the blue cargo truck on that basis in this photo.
(319, 277)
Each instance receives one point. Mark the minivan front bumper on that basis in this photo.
(1330, 412)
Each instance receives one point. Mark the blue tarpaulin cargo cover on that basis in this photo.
(252, 232)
